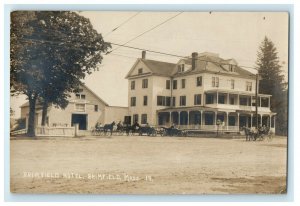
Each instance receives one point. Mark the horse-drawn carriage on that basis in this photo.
(261, 133)
(172, 131)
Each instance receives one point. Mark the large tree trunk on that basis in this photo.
(44, 113)
(31, 120)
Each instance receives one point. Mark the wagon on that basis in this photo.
(173, 132)
(150, 131)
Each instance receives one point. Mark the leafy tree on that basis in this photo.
(273, 82)
(51, 51)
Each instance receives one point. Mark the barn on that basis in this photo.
(85, 108)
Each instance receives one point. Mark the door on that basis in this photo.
(80, 119)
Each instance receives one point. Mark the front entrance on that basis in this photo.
(80, 119)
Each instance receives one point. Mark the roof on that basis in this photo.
(206, 61)
(159, 67)
(156, 67)
(26, 104)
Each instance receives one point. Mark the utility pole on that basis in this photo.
(256, 100)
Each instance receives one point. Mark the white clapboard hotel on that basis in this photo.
(199, 92)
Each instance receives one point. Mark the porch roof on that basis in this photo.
(236, 92)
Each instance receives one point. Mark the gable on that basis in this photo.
(134, 71)
(90, 96)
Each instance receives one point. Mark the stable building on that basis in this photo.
(85, 108)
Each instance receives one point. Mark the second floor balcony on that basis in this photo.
(237, 101)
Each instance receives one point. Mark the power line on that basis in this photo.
(127, 20)
(78, 47)
(174, 55)
(146, 31)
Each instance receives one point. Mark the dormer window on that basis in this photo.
(231, 68)
(180, 68)
(140, 71)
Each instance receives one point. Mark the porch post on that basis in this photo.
(259, 101)
(269, 103)
(188, 118)
(217, 97)
(201, 118)
(228, 98)
(179, 118)
(227, 120)
(238, 120)
(170, 119)
(270, 123)
(215, 122)
(251, 120)
(261, 119)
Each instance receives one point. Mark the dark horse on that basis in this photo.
(109, 127)
(131, 129)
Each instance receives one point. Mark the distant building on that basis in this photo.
(201, 91)
(84, 108)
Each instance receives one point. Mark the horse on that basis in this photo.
(130, 129)
(109, 127)
(248, 133)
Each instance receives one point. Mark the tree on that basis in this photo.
(51, 52)
(273, 82)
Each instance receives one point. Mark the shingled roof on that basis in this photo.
(206, 61)
(159, 67)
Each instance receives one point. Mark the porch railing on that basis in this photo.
(206, 127)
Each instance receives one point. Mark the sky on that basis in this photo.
(230, 34)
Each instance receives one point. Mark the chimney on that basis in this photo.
(143, 54)
(194, 60)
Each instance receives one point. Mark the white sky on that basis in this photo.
(231, 35)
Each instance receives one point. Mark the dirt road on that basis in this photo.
(148, 165)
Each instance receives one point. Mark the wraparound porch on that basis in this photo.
(209, 119)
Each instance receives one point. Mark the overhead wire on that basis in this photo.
(117, 27)
(152, 28)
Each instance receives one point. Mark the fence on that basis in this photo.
(55, 131)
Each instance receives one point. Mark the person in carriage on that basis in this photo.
(119, 125)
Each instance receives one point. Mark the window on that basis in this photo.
(132, 85)
(145, 102)
(231, 68)
(160, 101)
(183, 83)
(232, 84)
(180, 68)
(140, 71)
(144, 118)
(215, 81)
(80, 107)
(145, 83)
(243, 101)
(209, 99)
(173, 101)
(182, 101)
(168, 101)
(80, 96)
(163, 101)
(199, 81)
(133, 101)
(249, 86)
(168, 84)
(231, 100)
(197, 99)
(135, 118)
(174, 84)
(96, 108)
(221, 99)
